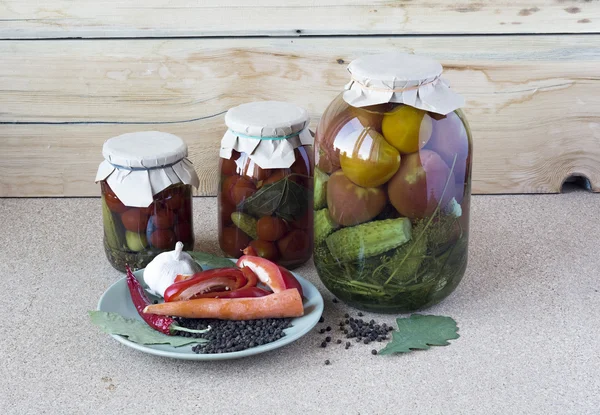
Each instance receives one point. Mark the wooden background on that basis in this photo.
(74, 73)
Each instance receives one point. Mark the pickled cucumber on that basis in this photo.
(111, 228)
(323, 225)
(369, 239)
(246, 223)
(320, 189)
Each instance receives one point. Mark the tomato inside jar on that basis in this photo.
(266, 183)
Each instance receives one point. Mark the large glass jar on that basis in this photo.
(146, 186)
(392, 188)
(265, 191)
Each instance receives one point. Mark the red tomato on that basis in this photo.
(134, 220)
(294, 246)
(238, 189)
(163, 219)
(112, 201)
(270, 228)
(265, 249)
(163, 239)
(232, 240)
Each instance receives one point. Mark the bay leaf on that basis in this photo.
(284, 198)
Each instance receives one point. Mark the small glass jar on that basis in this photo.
(265, 191)
(146, 185)
(392, 186)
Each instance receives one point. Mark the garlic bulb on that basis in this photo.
(162, 270)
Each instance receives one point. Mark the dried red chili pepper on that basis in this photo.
(140, 301)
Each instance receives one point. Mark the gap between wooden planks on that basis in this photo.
(533, 101)
(20, 19)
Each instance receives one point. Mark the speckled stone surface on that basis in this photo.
(528, 311)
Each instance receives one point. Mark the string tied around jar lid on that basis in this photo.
(403, 89)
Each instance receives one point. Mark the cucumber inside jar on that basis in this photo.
(391, 242)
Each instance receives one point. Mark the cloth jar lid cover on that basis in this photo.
(268, 131)
(401, 78)
(139, 165)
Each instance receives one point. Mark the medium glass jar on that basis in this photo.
(265, 191)
(392, 187)
(146, 185)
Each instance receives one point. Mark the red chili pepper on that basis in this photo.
(245, 292)
(220, 279)
(140, 301)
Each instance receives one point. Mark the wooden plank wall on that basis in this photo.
(73, 74)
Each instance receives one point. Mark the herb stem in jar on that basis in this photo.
(437, 209)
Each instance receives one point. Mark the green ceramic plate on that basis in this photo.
(117, 300)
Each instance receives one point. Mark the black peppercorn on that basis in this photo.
(373, 352)
(327, 362)
(328, 339)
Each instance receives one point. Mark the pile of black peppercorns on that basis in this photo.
(233, 336)
(362, 331)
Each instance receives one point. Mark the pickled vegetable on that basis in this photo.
(136, 241)
(246, 223)
(323, 226)
(350, 204)
(320, 189)
(368, 160)
(422, 182)
(270, 228)
(407, 128)
(369, 239)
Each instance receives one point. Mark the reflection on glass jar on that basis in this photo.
(392, 195)
(135, 235)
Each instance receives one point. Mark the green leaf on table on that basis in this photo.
(421, 331)
(137, 331)
(207, 260)
(284, 198)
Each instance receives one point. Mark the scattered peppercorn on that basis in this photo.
(339, 341)
(346, 315)
(373, 352)
(322, 331)
(327, 362)
(324, 344)
(335, 300)
(360, 314)
(322, 319)
(328, 328)
(328, 339)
